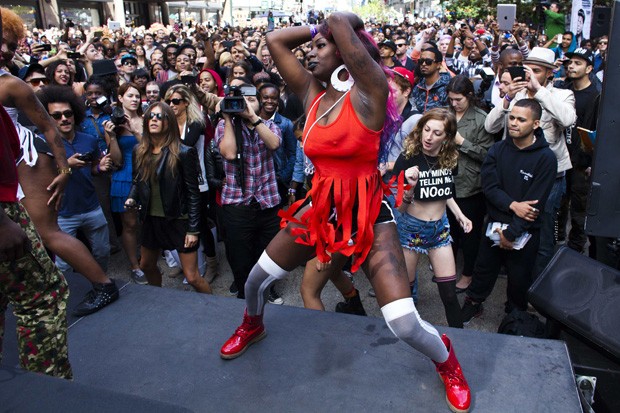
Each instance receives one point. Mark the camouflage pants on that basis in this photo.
(38, 292)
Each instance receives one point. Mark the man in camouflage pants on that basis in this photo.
(29, 280)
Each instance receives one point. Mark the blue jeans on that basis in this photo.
(95, 228)
(420, 236)
(547, 225)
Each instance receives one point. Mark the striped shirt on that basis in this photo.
(260, 183)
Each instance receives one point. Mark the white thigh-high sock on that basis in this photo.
(264, 273)
(403, 319)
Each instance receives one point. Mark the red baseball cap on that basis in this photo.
(407, 74)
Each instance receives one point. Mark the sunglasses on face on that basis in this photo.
(129, 63)
(602, 42)
(174, 101)
(401, 44)
(58, 115)
(426, 62)
(36, 82)
(154, 115)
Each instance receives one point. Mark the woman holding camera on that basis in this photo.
(124, 132)
(165, 191)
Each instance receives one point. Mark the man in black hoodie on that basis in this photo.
(517, 176)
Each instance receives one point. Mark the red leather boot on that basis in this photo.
(248, 333)
(458, 395)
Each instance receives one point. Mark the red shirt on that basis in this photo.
(9, 150)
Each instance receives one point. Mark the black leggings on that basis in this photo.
(474, 208)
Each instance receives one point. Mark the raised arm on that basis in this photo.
(369, 95)
(281, 43)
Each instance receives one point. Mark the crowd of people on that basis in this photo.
(341, 145)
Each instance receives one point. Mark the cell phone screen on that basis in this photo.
(516, 71)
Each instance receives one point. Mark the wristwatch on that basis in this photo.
(258, 122)
(64, 171)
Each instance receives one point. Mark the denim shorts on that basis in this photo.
(421, 236)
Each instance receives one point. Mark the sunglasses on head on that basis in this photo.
(154, 115)
(174, 101)
(37, 82)
(58, 115)
(426, 62)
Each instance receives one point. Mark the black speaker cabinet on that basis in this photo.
(603, 211)
(583, 295)
(601, 21)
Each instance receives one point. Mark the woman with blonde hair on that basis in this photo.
(165, 192)
(191, 122)
(429, 161)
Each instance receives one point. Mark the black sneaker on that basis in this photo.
(233, 290)
(274, 297)
(100, 296)
(351, 305)
(470, 310)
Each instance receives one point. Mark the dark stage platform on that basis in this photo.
(163, 345)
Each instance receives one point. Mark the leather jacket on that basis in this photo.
(179, 192)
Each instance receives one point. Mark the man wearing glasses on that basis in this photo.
(80, 209)
(401, 53)
(430, 91)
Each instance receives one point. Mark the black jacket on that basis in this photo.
(179, 192)
(512, 174)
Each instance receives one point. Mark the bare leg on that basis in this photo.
(33, 181)
(129, 237)
(189, 262)
(314, 281)
(149, 265)
(387, 272)
(411, 258)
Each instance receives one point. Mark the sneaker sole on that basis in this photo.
(235, 355)
(478, 314)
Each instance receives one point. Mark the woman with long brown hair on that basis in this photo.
(121, 137)
(165, 191)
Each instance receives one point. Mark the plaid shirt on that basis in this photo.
(259, 174)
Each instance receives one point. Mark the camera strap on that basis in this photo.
(238, 125)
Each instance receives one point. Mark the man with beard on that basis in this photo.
(517, 176)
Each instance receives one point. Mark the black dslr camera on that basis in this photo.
(234, 102)
(118, 116)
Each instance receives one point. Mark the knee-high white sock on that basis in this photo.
(264, 273)
(404, 321)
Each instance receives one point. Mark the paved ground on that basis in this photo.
(429, 304)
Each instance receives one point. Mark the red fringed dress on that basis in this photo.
(346, 182)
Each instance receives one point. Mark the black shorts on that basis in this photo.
(166, 234)
(385, 214)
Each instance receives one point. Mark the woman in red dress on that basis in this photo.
(345, 94)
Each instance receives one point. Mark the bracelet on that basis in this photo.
(292, 191)
(258, 122)
(64, 171)
(508, 98)
(313, 31)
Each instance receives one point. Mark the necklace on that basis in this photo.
(430, 165)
